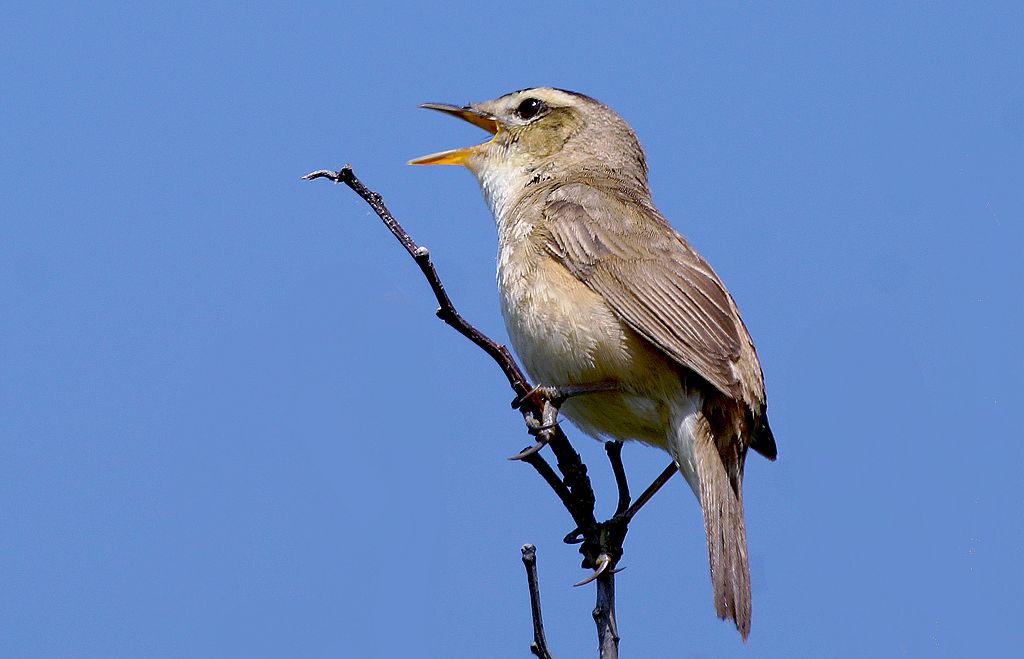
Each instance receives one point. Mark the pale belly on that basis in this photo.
(565, 334)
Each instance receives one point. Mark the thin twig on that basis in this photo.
(601, 543)
(569, 462)
(651, 490)
(575, 477)
(614, 450)
(539, 647)
(421, 255)
(537, 461)
(527, 397)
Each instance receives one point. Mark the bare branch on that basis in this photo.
(537, 461)
(604, 617)
(651, 490)
(614, 450)
(600, 542)
(539, 647)
(529, 399)
(421, 255)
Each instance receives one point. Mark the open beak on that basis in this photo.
(458, 156)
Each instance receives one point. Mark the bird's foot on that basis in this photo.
(548, 400)
(558, 394)
(539, 428)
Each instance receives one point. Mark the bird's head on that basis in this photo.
(545, 132)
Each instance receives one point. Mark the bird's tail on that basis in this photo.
(721, 502)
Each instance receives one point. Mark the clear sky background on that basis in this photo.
(230, 425)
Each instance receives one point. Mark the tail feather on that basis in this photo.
(723, 523)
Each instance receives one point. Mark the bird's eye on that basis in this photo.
(529, 109)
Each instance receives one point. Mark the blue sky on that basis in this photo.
(231, 426)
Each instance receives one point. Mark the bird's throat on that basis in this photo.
(504, 185)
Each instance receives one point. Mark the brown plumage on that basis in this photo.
(597, 287)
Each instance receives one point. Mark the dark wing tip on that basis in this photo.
(763, 440)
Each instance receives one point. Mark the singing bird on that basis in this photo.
(598, 290)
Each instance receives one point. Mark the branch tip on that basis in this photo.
(539, 646)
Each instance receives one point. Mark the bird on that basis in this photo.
(598, 290)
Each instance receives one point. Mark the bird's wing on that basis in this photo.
(652, 279)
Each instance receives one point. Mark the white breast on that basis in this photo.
(566, 334)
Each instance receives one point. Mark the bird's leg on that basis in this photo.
(548, 411)
(558, 394)
(624, 513)
(611, 533)
(602, 548)
(549, 399)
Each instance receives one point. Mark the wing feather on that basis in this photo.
(652, 279)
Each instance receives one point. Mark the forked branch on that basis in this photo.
(600, 542)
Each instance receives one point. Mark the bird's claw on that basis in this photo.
(603, 562)
(539, 430)
(529, 450)
(551, 398)
(549, 420)
(573, 537)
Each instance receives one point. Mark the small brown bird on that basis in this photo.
(598, 290)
